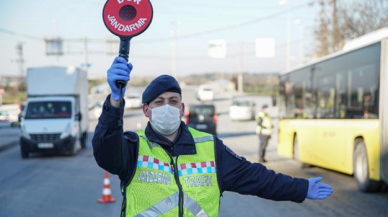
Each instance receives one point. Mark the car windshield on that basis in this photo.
(241, 103)
(202, 110)
(48, 109)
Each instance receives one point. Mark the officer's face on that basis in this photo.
(171, 98)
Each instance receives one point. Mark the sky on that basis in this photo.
(30, 21)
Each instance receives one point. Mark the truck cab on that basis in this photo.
(51, 124)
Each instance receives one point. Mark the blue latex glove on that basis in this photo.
(318, 191)
(120, 70)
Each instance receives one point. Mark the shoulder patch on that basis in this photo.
(232, 153)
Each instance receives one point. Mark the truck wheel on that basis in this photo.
(361, 169)
(83, 140)
(24, 154)
(73, 151)
(296, 154)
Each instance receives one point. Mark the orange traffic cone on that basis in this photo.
(106, 192)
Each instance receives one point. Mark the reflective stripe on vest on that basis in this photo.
(171, 202)
(204, 139)
(154, 191)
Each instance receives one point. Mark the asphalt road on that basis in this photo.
(9, 137)
(70, 186)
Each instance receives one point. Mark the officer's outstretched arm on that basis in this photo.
(241, 176)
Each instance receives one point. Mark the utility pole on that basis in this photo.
(86, 64)
(174, 61)
(337, 43)
(288, 40)
(174, 54)
(20, 59)
(288, 47)
(240, 74)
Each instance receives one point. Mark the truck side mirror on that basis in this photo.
(78, 116)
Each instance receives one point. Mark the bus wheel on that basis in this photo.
(361, 169)
(296, 154)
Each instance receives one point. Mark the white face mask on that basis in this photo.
(165, 119)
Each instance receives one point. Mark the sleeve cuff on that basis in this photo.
(301, 190)
(111, 116)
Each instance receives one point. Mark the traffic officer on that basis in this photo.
(264, 129)
(171, 169)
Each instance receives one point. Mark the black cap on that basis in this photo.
(161, 84)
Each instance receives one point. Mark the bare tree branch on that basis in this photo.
(343, 20)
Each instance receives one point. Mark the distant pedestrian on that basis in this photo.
(264, 130)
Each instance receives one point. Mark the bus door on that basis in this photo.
(383, 112)
(331, 129)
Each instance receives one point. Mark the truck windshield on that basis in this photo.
(48, 109)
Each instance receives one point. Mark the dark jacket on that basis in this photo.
(117, 152)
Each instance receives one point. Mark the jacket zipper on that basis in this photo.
(124, 203)
(176, 176)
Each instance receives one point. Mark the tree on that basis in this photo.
(343, 20)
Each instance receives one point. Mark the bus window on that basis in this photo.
(363, 92)
(325, 96)
(341, 95)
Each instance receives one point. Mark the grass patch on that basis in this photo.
(14, 97)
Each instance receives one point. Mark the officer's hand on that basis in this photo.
(318, 191)
(120, 70)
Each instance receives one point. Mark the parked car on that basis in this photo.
(4, 119)
(95, 110)
(242, 109)
(205, 93)
(202, 117)
(20, 115)
(13, 111)
(133, 100)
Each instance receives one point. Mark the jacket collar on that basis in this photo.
(183, 145)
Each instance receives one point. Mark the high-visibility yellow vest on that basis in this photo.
(267, 124)
(163, 185)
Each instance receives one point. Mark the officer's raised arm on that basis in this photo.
(108, 140)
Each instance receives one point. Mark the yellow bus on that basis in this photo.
(334, 111)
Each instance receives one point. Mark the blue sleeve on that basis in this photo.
(241, 176)
(114, 150)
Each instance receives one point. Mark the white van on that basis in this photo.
(55, 118)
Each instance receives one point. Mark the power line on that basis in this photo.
(187, 36)
(225, 28)
(9, 32)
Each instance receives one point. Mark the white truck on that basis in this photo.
(55, 118)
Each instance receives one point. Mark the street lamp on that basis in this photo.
(301, 38)
(175, 48)
(288, 47)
